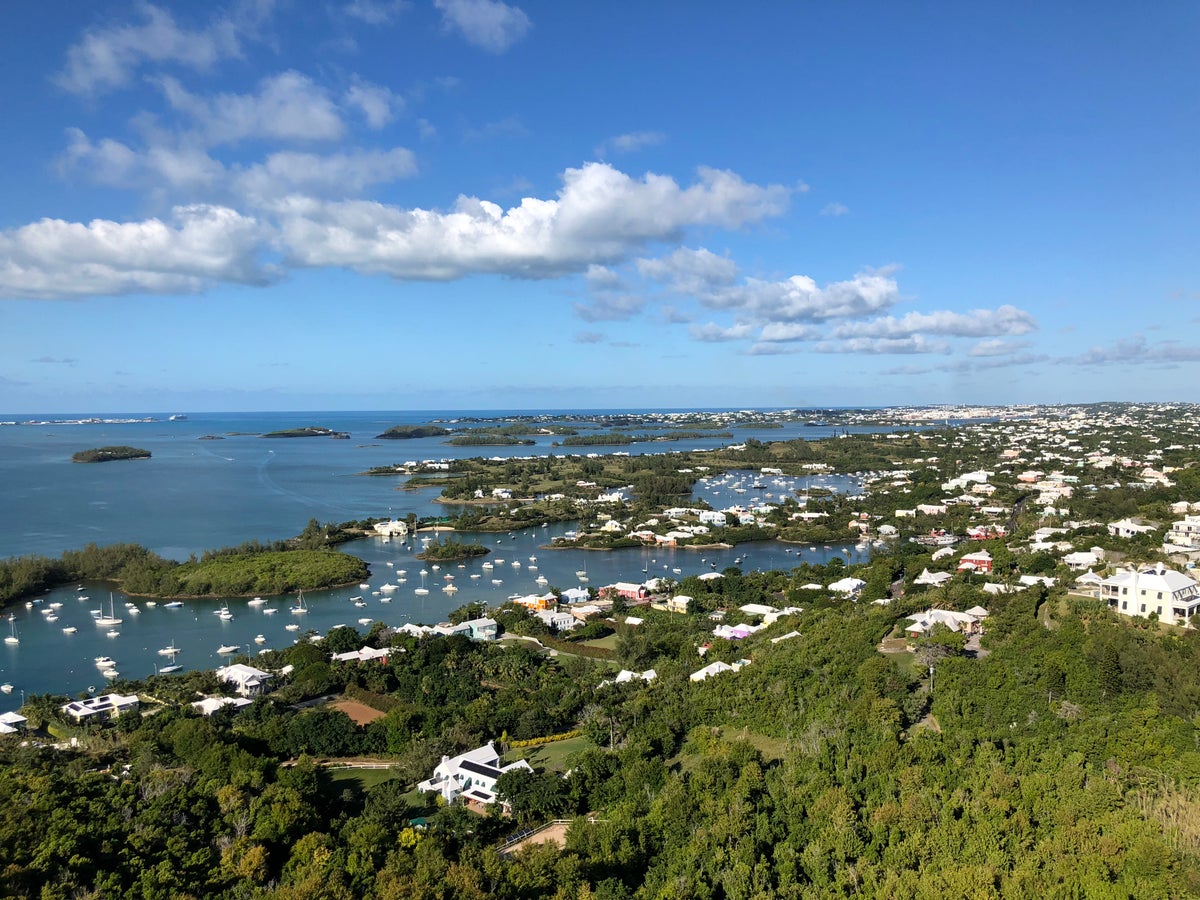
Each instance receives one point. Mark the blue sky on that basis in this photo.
(364, 204)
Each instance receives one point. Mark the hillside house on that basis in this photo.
(471, 777)
(1157, 590)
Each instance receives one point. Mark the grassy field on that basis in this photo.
(366, 778)
(552, 757)
(771, 748)
(608, 642)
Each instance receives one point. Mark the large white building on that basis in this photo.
(1171, 595)
(471, 776)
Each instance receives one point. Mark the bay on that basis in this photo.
(194, 495)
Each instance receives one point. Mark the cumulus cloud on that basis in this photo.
(1005, 320)
(333, 175)
(600, 215)
(202, 244)
(287, 107)
(1136, 350)
(695, 272)
(377, 104)
(169, 164)
(627, 143)
(835, 210)
(489, 24)
(106, 58)
(589, 337)
(56, 360)
(713, 333)
(995, 347)
(610, 308)
(874, 346)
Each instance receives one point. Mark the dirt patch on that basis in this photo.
(359, 712)
(555, 833)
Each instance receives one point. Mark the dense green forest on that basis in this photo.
(304, 562)
(1063, 762)
(407, 432)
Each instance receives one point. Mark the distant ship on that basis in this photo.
(178, 417)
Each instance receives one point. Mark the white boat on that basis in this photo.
(291, 627)
(104, 662)
(70, 629)
(270, 611)
(360, 602)
(486, 565)
(365, 621)
(111, 619)
(364, 586)
(450, 589)
(421, 591)
(533, 559)
(174, 604)
(224, 614)
(167, 670)
(52, 618)
(12, 627)
(541, 579)
(257, 601)
(110, 673)
(56, 606)
(497, 581)
(474, 574)
(112, 632)
(151, 603)
(229, 648)
(388, 587)
(299, 609)
(385, 599)
(260, 639)
(169, 650)
(6, 688)
(355, 599)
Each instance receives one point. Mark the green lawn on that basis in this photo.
(608, 642)
(552, 757)
(366, 778)
(770, 748)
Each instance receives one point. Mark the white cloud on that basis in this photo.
(1136, 350)
(375, 12)
(627, 143)
(109, 162)
(997, 348)
(877, 346)
(799, 299)
(377, 103)
(687, 271)
(1006, 320)
(602, 278)
(835, 210)
(713, 333)
(600, 215)
(107, 57)
(490, 24)
(57, 259)
(337, 175)
(610, 308)
(589, 337)
(287, 107)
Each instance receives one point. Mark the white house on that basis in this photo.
(209, 705)
(1185, 533)
(933, 578)
(955, 621)
(246, 680)
(848, 586)
(712, 517)
(102, 708)
(717, 668)
(470, 776)
(391, 528)
(1171, 595)
(1127, 528)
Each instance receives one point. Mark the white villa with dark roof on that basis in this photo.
(471, 776)
(1171, 595)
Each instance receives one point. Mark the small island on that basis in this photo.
(408, 432)
(109, 454)
(309, 431)
(452, 551)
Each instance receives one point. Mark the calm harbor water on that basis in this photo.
(193, 495)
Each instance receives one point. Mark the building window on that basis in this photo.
(1124, 604)
(1143, 607)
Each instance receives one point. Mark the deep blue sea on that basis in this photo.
(194, 495)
